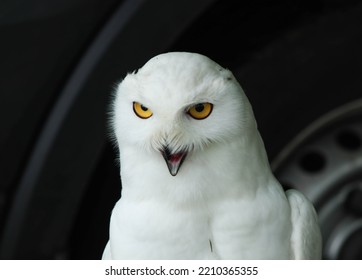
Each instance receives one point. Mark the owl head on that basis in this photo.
(179, 104)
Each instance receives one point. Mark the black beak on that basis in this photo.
(173, 161)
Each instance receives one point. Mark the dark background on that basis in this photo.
(60, 59)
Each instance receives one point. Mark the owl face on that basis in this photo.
(177, 105)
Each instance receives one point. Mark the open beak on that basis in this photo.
(173, 161)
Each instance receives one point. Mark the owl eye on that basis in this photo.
(141, 111)
(200, 111)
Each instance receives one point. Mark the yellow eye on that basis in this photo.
(200, 111)
(141, 111)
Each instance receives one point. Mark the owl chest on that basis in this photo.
(158, 231)
(222, 229)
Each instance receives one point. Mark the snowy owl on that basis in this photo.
(196, 181)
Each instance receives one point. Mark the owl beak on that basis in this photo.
(173, 161)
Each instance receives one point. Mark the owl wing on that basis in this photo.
(306, 239)
(107, 252)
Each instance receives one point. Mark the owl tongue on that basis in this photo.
(173, 161)
(175, 158)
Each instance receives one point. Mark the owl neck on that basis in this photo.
(236, 168)
(255, 167)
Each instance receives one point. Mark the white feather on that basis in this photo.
(224, 203)
(306, 240)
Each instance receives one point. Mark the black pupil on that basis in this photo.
(199, 107)
(144, 108)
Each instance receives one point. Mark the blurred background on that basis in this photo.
(299, 62)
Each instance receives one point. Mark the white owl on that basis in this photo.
(196, 182)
